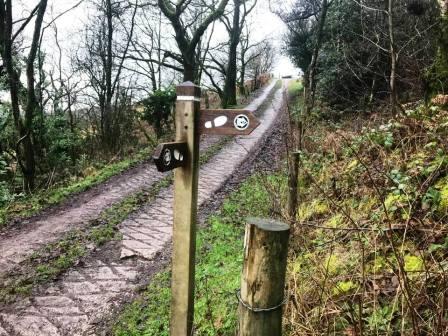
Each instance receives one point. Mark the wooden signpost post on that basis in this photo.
(183, 154)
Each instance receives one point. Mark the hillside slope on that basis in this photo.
(370, 245)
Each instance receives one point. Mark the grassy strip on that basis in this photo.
(31, 205)
(218, 267)
(295, 86)
(278, 84)
(54, 259)
(213, 149)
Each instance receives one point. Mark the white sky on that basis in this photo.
(269, 26)
(265, 25)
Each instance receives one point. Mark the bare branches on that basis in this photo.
(303, 10)
(25, 23)
(201, 16)
(215, 14)
(60, 15)
(125, 51)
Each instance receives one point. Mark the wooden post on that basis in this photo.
(185, 211)
(263, 277)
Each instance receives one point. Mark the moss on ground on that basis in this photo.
(373, 201)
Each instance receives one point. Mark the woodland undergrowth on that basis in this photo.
(369, 245)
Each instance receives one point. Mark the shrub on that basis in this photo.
(158, 109)
(5, 194)
(62, 145)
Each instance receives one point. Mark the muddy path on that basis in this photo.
(85, 298)
(21, 240)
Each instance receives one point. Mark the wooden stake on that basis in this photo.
(185, 211)
(263, 277)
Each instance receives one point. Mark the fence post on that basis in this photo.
(263, 277)
(185, 211)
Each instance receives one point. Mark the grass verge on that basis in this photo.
(27, 206)
(295, 87)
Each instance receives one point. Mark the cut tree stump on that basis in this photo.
(263, 277)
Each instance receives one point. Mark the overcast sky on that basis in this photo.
(265, 25)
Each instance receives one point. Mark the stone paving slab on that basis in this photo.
(74, 304)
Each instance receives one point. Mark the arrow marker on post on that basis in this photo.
(227, 122)
(171, 155)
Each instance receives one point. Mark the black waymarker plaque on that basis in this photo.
(171, 155)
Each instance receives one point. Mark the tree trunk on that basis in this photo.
(310, 89)
(108, 136)
(32, 103)
(230, 82)
(159, 51)
(243, 72)
(14, 87)
(189, 64)
(189, 72)
(24, 146)
(393, 59)
(72, 128)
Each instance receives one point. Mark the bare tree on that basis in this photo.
(214, 66)
(248, 53)
(106, 45)
(261, 62)
(24, 125)
(150, 50)
(234, 24)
